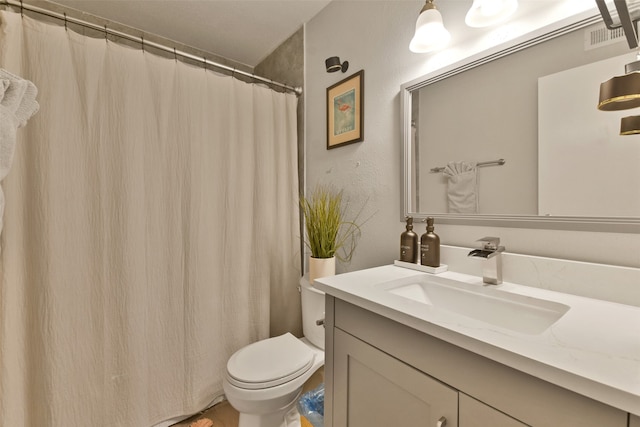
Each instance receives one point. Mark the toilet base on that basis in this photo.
(285, 417)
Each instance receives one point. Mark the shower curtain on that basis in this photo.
(151, 211)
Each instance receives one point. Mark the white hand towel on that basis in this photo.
(17, 104)
(19, 97)
(462, 187)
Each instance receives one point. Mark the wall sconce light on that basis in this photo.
(430, 32)
(333, 64)
(484, 13)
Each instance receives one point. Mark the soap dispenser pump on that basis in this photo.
(409, 243)
(430, 246)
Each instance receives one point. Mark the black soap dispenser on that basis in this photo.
(430, 246)
(409, 243)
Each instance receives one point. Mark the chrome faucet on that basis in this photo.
(491, 252)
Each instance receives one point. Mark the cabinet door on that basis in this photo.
(373, 389)
(474, 413)
(634, 421)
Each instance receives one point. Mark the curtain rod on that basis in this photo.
(143, 42)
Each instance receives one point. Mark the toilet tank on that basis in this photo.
(312, 311)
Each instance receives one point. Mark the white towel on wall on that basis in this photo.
(17, 104)
(462, 187)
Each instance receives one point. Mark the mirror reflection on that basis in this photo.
(535, 109)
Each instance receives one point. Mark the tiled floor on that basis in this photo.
(223, 414)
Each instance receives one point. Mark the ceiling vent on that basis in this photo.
(599, 35)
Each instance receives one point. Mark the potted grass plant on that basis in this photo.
(330, 234)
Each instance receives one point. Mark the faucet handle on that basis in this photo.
(490, 243)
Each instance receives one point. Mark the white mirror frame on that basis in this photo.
(601, 224)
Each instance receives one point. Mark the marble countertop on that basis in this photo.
(593, 349)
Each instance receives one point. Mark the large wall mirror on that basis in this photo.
(532, 105)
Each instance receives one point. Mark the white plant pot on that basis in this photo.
(321, 267)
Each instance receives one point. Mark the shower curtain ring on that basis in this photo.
(175, 55)
(106, 33)
(21, 9)
(142, 43)
(65, 22)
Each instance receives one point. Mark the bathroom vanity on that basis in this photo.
(408, 348)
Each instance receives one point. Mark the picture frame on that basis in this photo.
(345, 111)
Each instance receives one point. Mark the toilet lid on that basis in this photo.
(269, 362)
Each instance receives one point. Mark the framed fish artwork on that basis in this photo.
(345, 111)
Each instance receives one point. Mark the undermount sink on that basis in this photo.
(515, 312)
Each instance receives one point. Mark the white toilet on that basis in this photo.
(264, 380)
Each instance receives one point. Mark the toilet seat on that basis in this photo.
(269, 363)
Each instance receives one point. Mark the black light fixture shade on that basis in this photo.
(620, 93)
(630, 125)
(333, 64)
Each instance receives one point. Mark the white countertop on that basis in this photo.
(593, 349)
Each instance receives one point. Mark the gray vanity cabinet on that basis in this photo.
(381, 373)
(379, 390)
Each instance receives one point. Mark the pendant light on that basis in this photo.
(630, 125)
(484, 13)
(621, 92)
(430, 33)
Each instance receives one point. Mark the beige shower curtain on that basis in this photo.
(150, 213)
